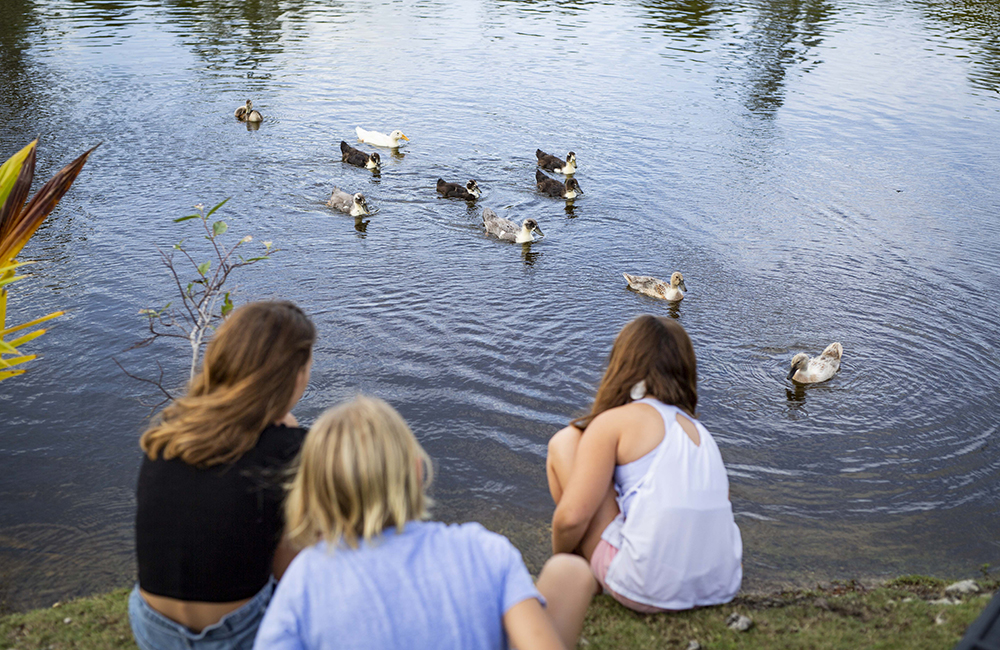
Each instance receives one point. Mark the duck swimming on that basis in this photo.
(568, 190)
(380, 139)
(553, 164)
(812, 371)
(355, 205)
(349, 154)
(507, 230)
(654, 288)
(247, 113)
(470, 192)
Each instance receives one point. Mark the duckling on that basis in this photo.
(247, 113)
(552, 187)
(812, 371)
(507, 230)
(380, 139)
(349, 154)
(553, 164)
(470, 192)
(658, 288)
(356, 206)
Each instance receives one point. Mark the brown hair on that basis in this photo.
(653, 349)
(247, 381)
(360, 471)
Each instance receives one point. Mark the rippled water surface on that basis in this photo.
(818, 171)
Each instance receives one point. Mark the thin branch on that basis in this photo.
(158, 382)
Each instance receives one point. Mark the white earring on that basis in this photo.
(638, 390)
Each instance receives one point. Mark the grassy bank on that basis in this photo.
(897, 614)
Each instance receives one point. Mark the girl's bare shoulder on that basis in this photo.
(626, 415)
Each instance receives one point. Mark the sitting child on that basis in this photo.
(639, 484)
(373, 575)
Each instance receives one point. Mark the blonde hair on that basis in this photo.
(247, 381)
(360, 471)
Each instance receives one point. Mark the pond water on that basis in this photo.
(818, 171)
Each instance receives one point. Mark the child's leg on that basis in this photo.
(568, 586)
(558, 467)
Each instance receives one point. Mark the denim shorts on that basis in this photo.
(236, 630)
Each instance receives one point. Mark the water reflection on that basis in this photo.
(226, 33)
(975, 21)
(796, 397)
(689, 19)
(674, 309)
(529, 256)
(782, 35)
(361, 226)
(16, 84)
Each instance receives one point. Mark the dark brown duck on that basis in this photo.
(552, 187)
(358, 158)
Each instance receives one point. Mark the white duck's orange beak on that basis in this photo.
(404, 137)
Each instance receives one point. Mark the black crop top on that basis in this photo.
(210, 534)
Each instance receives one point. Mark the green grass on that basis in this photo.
(841, 615)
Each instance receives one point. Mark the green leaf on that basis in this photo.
(190, 216)
(204, 267)
(212, 211)
(227, 305)
(255, 259)
(219, 227)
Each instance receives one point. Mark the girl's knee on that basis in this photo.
(570, 572)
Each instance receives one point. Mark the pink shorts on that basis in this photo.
(599, 563)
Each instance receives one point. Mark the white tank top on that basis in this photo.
(679, 546)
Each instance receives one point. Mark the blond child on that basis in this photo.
(372, 574)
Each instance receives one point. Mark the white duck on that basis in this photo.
(658, 288)
(355, 205)
(812, 371)
(380, 139)
(507, 230)
(247, 113)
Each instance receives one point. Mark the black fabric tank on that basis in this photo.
(210, 534)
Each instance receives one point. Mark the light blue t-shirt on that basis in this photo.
(432, 586)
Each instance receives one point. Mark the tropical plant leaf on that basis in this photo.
(7, 348)
(38, 208)
(14, 278)
(31, 323)
(212, 211)
(30, 336)
(7, 374)
(14, 201)
(14, 265)
(16, 361)
(10, 170)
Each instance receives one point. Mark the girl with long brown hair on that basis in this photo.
(639, 483)
(209, 520)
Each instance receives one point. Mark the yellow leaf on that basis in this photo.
(30, 336)
(8, 363)
(10, 170)
(31, 323)
(7, 374)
